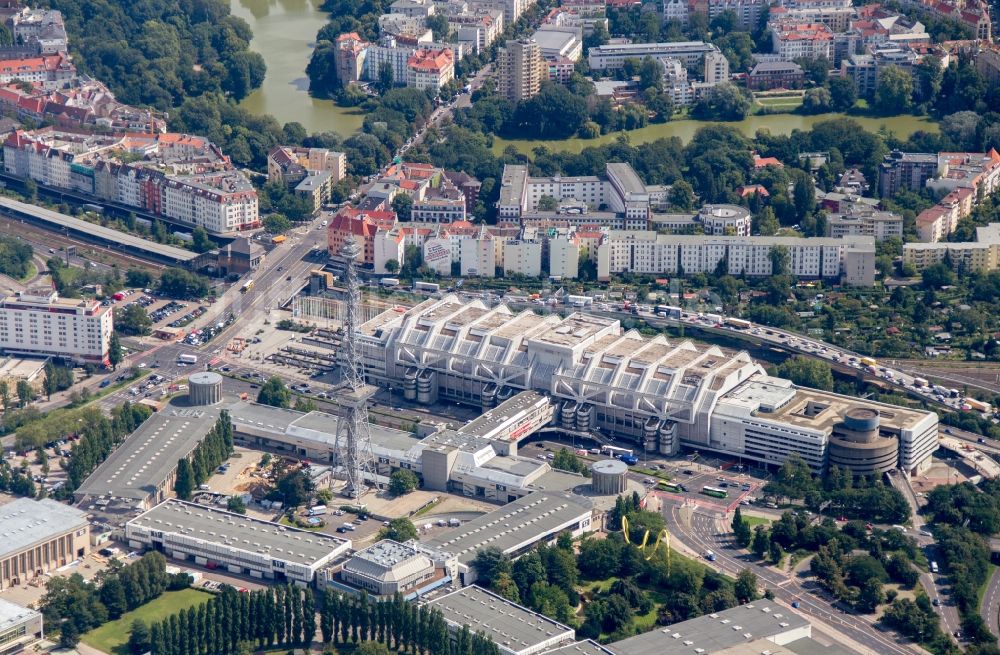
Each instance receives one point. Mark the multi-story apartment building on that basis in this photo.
(430, 69)
(981, 255)
(521, 68)
(478, 31)
(363, 226)
(849, 259)
(391, 52)
(39, 322)
(43, 27)
(858, 222)
(179, 177)
(907, 171)
(48, 71)
(290, 164)
(791, 40)
(613, 55)
(522, 258)
(349, 58)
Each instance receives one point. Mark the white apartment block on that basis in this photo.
(388, 245)
(478, 257)
(564, 257)
(613, 55)
(522, 258)
(39, 322)
(849, 259)
(880, 225)
(388, 52)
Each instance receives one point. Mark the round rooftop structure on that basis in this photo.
(725, 219)
(204, 388)
(862, 419)
(857, 446)
(610, 477)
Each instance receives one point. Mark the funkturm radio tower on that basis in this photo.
(354, 439)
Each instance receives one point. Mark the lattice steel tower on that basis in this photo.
(354, 439)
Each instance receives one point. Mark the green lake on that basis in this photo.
(284, 32)
(901, 126)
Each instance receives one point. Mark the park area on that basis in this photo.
(112, 637)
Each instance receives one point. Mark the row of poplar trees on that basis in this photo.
(232, 623)
(214, 449)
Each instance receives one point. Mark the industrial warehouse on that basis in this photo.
(218, 539)
(653, 392)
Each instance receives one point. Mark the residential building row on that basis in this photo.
(981, 255)
(182, 178)
(414, 61)
(960, 179)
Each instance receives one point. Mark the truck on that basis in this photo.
(279, 238)
(187, 358)
(710, 556)
(737, 323)
(919, 382)
(579, 301)
(631, 460)
(119, 296)
(868, 361)
(426, 287)
(317, 510)
(977, 405)
(615, 451)
(389, 282)
(934, 567)
(666, 311)
(941, 391)
(714, 319)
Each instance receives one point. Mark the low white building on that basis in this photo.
(387, 567)
(240, 544)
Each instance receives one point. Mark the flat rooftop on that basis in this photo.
(514, 524)
(386, 553)
(509, 410)
(588, 647)
(13, 615)
(25, 522)
(240, 532)
(811, 408)
(140, 465)
(716, 632)
(106, 234)
(511, 626)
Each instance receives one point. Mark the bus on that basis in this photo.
(666, 311)
(615, 451)
(668, 486)
(715, 492)
(738, 323)
(246, 286)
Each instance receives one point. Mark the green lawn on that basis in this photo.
(112, 637)
(754, 521)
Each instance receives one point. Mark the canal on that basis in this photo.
(284, 32)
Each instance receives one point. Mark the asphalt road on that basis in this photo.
(991, 603)
(703, 535)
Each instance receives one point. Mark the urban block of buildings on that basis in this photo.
(981, 255)
(39, 536)
(181, 178)
(37, 322)
(311, 172)
(961, 179)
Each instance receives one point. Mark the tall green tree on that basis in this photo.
(185, 481)
(115, 353)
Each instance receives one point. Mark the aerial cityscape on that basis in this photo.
(499, 327)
